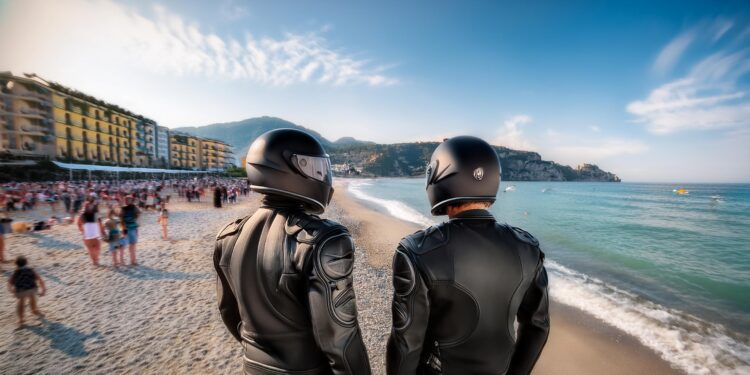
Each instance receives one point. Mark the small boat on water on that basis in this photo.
(681, 191)
(510, 188)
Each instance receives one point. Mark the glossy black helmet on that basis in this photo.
(292, 164)
(462, 169)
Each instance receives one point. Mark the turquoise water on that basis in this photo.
(672, 270)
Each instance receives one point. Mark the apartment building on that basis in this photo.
(41, 119)
(184, 149)
(26, 127)
(162, 146)
(215, 154)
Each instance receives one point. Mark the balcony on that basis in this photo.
(34, 113)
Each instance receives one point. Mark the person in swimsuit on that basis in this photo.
(163, 219)
(90, 226)
(25, 284)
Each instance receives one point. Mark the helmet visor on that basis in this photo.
(315, 167)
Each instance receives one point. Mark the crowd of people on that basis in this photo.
(103, 211)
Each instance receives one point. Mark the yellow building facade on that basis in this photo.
(41, 119)
(26, 128)
(86, 132)
(184, 151)
(215, 154)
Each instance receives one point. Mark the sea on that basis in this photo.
(670, 269)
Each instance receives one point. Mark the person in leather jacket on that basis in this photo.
(460, 285)
(284, 274)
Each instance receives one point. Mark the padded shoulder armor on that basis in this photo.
(231, 228)
(425, 240)
(524, 236)
(330, 250)
(334, 262)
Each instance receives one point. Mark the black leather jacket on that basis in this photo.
(458, 287)
(285, 292)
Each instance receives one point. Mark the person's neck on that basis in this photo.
(454, 211)
(273, 201)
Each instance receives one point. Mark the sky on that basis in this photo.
(652, 91)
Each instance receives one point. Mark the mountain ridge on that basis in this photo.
(352, 157)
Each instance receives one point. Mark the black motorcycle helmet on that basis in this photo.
(462, 169)
(292, 164)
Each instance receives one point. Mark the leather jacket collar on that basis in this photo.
(478, 214)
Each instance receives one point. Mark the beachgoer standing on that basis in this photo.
(91, 226)
(459, 286)
(2, 239)
(114, 238)
(163, 219)
(217, 196)
(129, 214)
(25, 284)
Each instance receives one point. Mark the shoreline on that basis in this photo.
(161, 316)
(579, 343)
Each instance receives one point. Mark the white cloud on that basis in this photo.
(165, 43)
(511, 134)
(672, 51)
(710, 96)
(595, 129)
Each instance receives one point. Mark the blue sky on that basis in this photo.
(651, 91)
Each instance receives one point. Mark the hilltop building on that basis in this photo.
(45, 120)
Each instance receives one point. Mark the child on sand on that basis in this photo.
(114, 238)
(163, 220)
(24, 283)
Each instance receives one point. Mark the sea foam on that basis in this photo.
(685, 341)
(395, 208)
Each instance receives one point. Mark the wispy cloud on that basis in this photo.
(672, 51)
(511, 134)
(165, 42)
(710, 96)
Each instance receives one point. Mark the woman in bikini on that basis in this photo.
(90, 226)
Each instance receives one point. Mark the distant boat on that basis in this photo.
(510, 188)
(681, 191)
(546, 190)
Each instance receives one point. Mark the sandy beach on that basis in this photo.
(161, 316)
